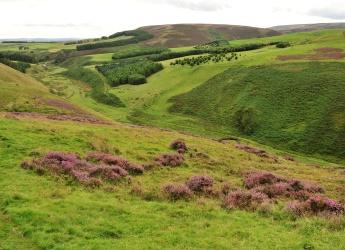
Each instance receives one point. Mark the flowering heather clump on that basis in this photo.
(298, 185)
(315, 205)
(179, 146)
(226, 188)
(260, 178)
(274, 190)
(172, 160)
(244, 199)
(83, 171)
(115, 161)
(200, 184)
(176, 191)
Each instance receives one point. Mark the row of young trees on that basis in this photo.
(216, 58)
(129, 71)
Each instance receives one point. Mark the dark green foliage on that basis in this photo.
(122, 72)
(20, 66)
(216, 58)
(299, 106)
(134, 52)
(223, 50)
(136, 36)
(137, 79)
(282, 45)
(217, 43)
(98, 92)
(18, 56)
(245, 120)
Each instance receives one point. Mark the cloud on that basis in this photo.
(63, 25)
(336, 12)
(197, 5)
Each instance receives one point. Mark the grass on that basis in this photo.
(49, 213)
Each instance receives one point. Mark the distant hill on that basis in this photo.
(307, 27)
(176, 35)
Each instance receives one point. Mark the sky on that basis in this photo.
(95, 18)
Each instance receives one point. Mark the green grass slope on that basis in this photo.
(298, 106)
(45, 212)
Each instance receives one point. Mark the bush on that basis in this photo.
(201, 184)
(249, 200)
(245, 120)
(137, 79)
(114, 160)
(180, 146)
(282, 45)
(255, 179)
(176, 192)
(85, 172)
(172, 160)
(315, 205)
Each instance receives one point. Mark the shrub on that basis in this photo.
(274, 190)
(226, 188)
(315, 205)
(245, 120)
(172, 160)
(113, 160)
(176, 192)
(137, 79)
(180, 146)
(201, 184)
(255, 179)
(243, 199)
(87, 173)
(282, 45)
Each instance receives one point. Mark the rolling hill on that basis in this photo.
(307, 27)
(177, 35)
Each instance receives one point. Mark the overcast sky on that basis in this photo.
(94, 18)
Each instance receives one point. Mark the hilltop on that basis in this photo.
(306, 27)
(176, 35)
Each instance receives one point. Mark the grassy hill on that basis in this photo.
(307, 27)
(289, 99)
(177, 35)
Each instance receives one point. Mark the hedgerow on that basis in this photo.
(18, 56)
(129, 71)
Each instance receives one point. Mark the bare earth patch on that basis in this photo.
(319, 54)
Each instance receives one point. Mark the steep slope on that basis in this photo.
(24, 95)
(306, 27)
(177, 35)
(298, 106)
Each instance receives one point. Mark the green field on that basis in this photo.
(292, 107)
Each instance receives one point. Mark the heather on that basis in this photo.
(180, 146)
(91, 171)
(170, 160)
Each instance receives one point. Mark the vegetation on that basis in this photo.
(135, 36)
(98, 91)
(20, 66)
(138, 51)
(194, 61)
(125, 71)
(217, 43)
(251, 102)
(18, 56)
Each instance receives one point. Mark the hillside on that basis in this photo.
(177, 35)
(238, 144)
(307, 27)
